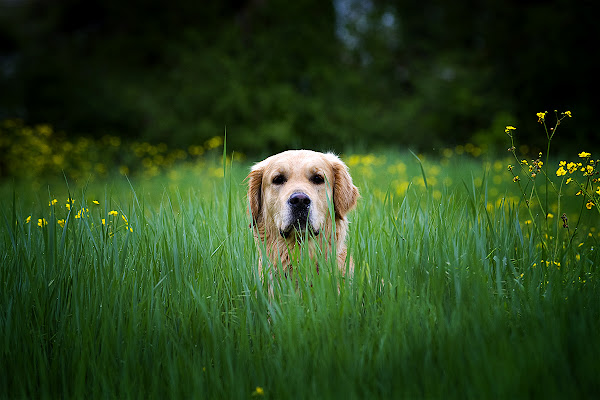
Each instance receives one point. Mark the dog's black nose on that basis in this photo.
(299, 199)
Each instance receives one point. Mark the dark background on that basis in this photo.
(346, 75)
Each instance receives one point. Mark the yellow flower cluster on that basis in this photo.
(469, 149)
(589, 183)
(83, 213)
(571, 167)
(548, 264)
(531, 168)
(539, 199)
(49, 153)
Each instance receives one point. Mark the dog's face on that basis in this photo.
(296, 193)
(291, 192)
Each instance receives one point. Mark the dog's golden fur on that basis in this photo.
(288, 196)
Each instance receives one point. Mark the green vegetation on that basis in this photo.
(127, 262)
(351, 75)
(147, 289)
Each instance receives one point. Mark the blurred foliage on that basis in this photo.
(343, 75)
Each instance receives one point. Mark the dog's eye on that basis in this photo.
(279, 179)
(317, 179)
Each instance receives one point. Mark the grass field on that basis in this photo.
(147, 289)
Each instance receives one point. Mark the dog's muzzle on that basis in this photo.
(299, 204)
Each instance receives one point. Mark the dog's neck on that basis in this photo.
(287, 250)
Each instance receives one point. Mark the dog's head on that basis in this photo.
(291, 192)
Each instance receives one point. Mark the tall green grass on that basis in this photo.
(450, 300)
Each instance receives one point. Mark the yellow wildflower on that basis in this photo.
(42, 222)
(572, 167)
(568, 114)
(53, 202)
(258, 391)
(124, 218)
(113, 213)
(103, 221)
(589, 205)
(28, 219)
(561, 171)
(213, 142)
(516, 178)
(61, 222)
(509, 128)
(598, 191)
(541, 116)
(96, 202)
(562, 163)
(68, 205)
(583, 154)
(568, 181)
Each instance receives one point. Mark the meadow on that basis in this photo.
(468, 284)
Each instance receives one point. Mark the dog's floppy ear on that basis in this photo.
(345, 194)
(255, 191)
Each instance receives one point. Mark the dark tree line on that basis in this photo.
(345, 74)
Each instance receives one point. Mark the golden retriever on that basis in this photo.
(289, 196)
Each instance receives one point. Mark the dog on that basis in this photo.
(289, 196)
